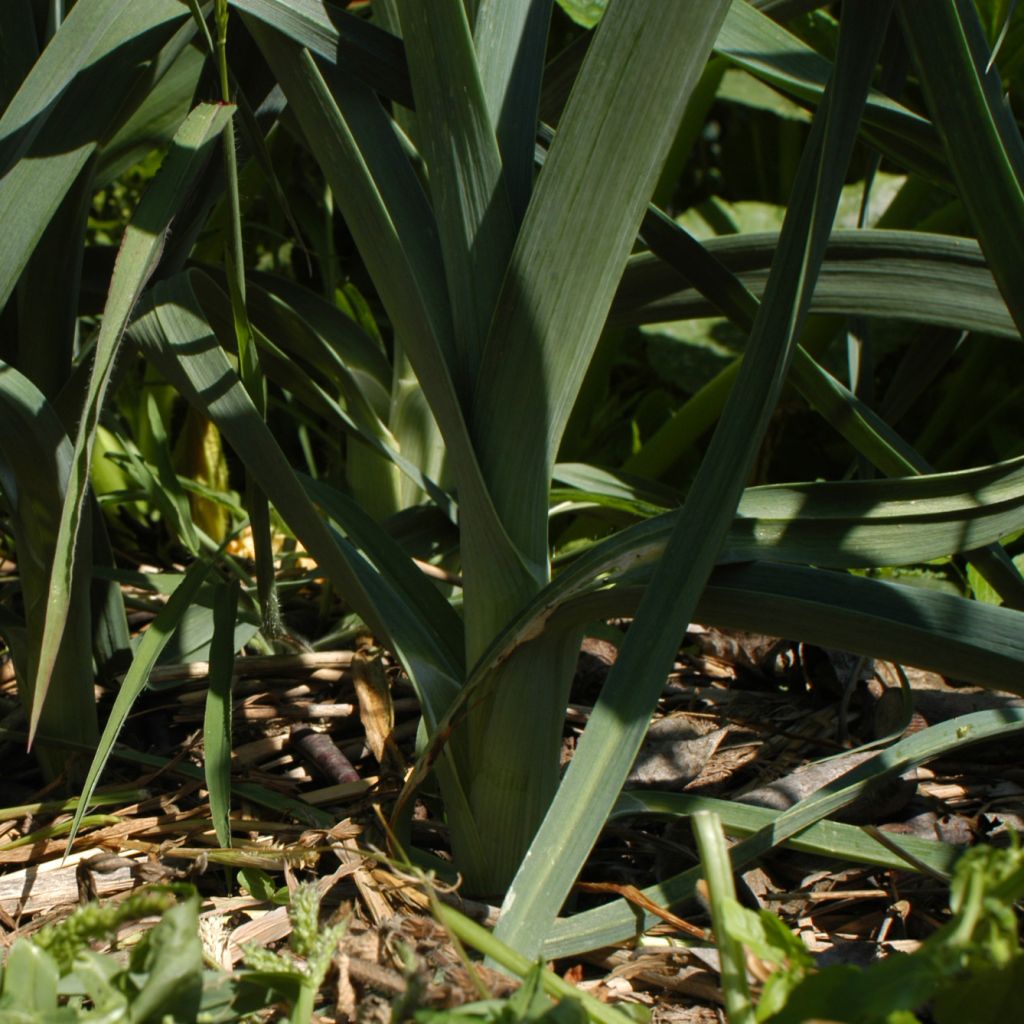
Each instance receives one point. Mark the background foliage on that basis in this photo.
(569, 315)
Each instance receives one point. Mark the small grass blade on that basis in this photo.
(217, 745)
(153, 642)
(714, 858)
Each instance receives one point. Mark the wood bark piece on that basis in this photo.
(881, 801)
(259, 665)
(675, 751)
(376, 709)
(53, 884)
(322, 752)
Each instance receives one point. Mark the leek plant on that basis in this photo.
(499, 247)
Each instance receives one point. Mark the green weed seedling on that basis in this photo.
(58, 978)
(970, 969)
(301, 968)
(529, 1004)
(262, 887)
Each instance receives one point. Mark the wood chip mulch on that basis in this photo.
(739, 717)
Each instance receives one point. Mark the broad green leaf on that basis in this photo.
(111, 640)
(997, 502)
(620, 718)
(69, 52)
(574, 243)
(217, 733)
(156, 119)
(70, 102)
(137, 259)
(418, 436)
(171, 964)
(570, 252)
(982, 589)
(195, 632)
(513, 738)
(48, 294)
(618, 921)
(952, 635)
(19, 47)
(470, 199)
(389, 560)
(584, 12)
(844, 612)
(680, 434)
(849, 524)
(288, 329)
(382, 201)
(342, 343)
(753, 41)
(370, 434)
(510, 40)
(866, 431)
(30, 979)
(387, 213)
(615, 483)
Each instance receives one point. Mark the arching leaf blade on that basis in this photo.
(903, 275)
(35, 463)
(61, 122)
(981, 138)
